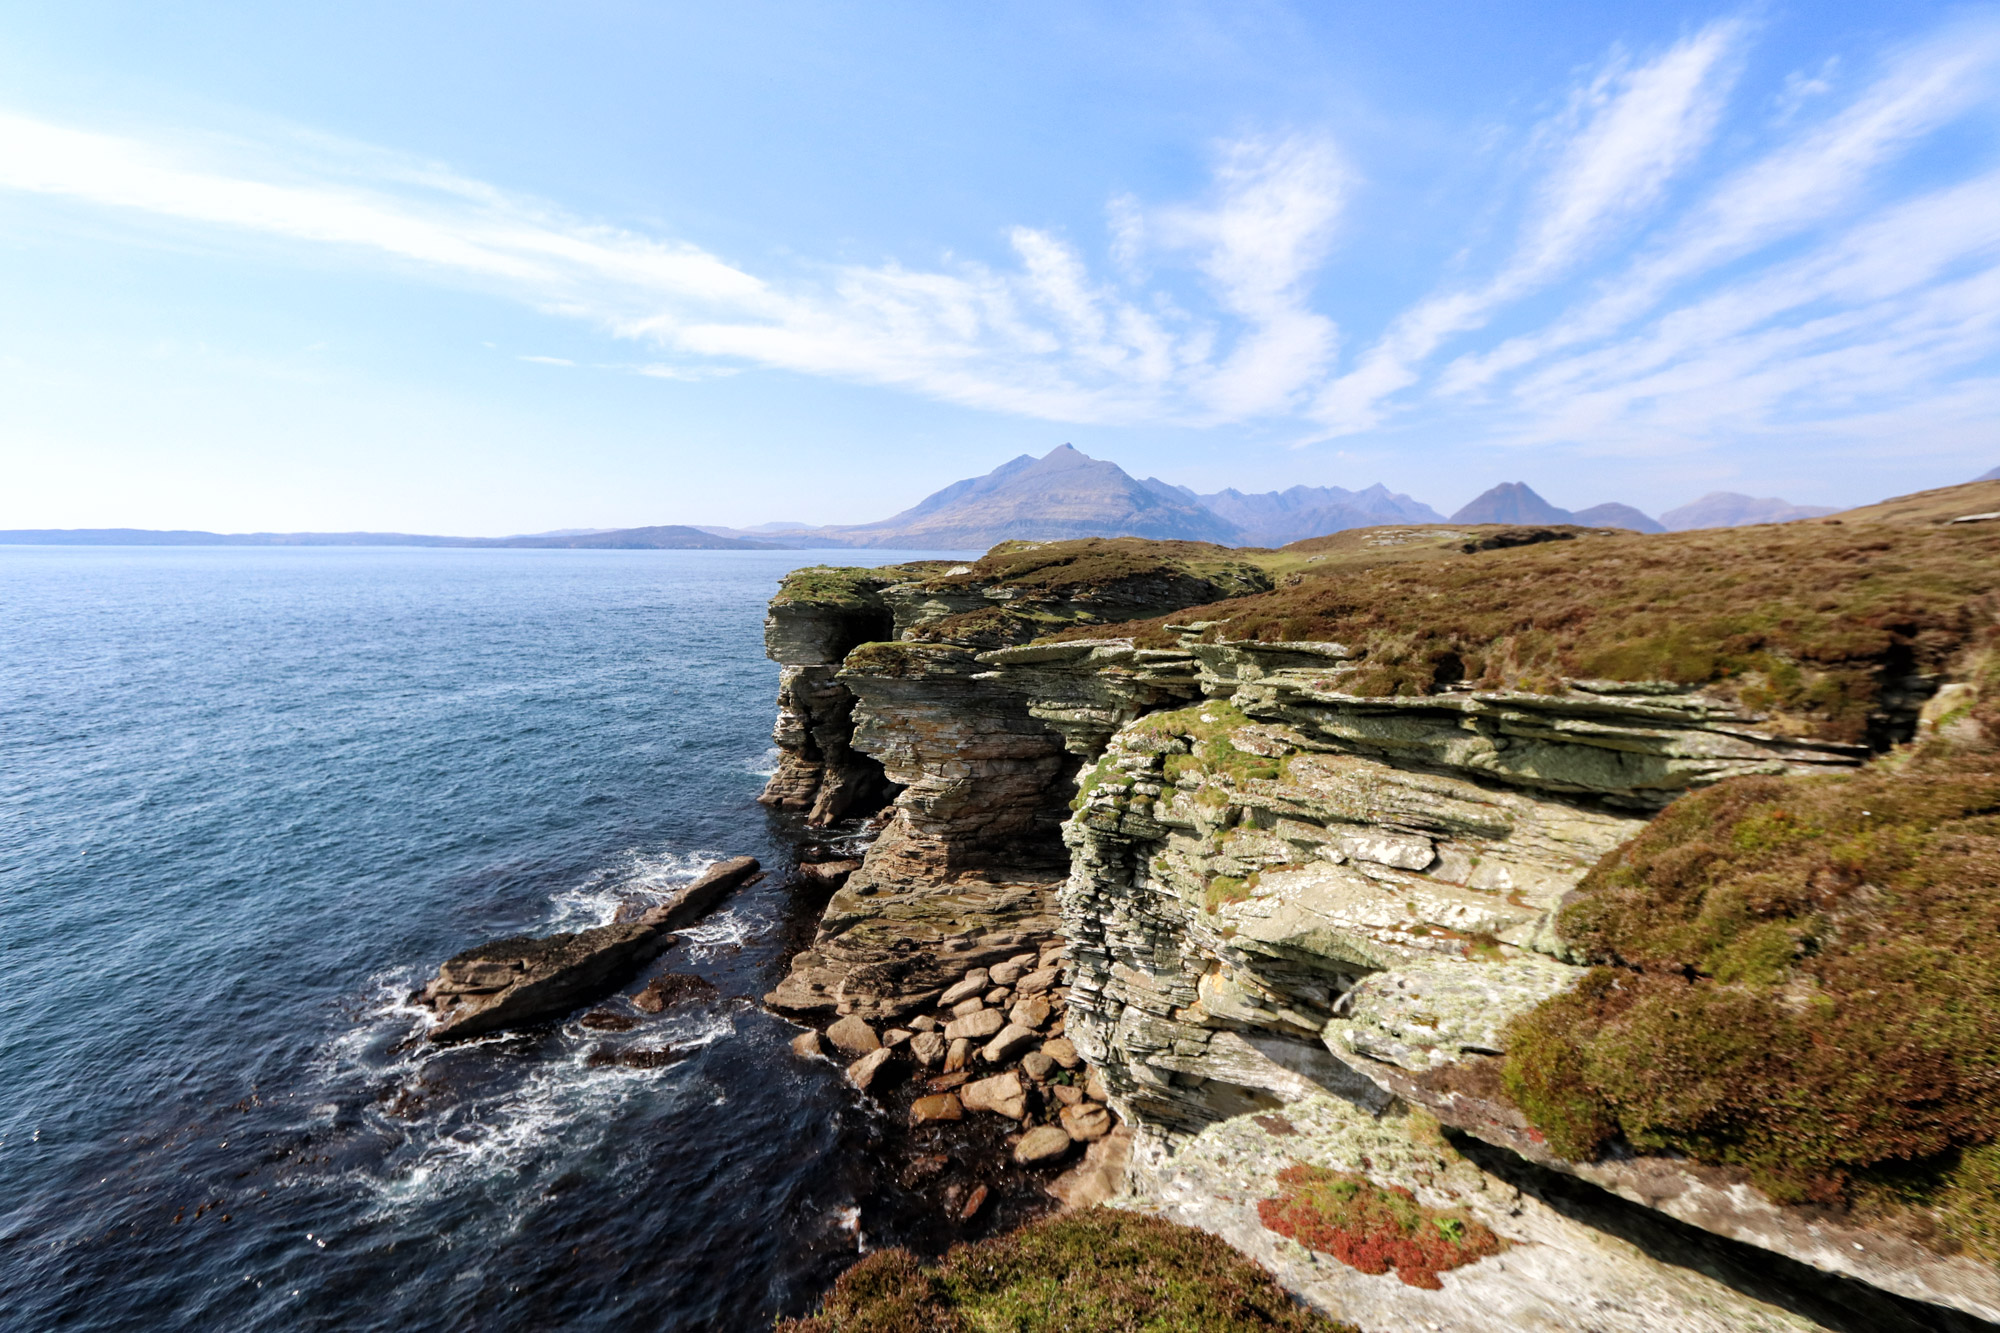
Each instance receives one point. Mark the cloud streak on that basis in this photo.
(1665, 285)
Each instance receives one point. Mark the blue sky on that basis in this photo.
(503, 267)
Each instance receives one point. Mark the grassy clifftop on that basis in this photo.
(1811, 620)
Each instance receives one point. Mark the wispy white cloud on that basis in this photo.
(1651, 297)
(1632, 131)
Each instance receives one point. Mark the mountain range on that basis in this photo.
(1061, 495)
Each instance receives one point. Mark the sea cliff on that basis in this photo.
(1347, 845)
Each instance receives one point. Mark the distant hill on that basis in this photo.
(1516, 502)
(1277, 518)
(1727, 509)
(1063, 494)
(671, 538)
(1992, 475)
(1943, 505)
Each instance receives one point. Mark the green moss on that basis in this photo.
(1205, 730)
(1226, 889)
(1099, 774)
(1093, 1271)
(1800, 977)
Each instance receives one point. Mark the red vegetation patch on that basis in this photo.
(1372, 1228)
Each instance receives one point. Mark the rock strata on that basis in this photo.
(516, 982)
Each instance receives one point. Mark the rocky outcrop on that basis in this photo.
(521, 981)
(1294, 881)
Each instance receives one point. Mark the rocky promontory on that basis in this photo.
(1659, 865)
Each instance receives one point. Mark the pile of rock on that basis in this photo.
(993, 1043)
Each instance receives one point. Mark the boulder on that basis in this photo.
(1086, 1121)
(1095, 1088)
(1002, 1095)
(1037, 982)
(1007, 973)
(832, 874)
(854, 1036)
(971, 1005)
(976, 1026)
(947, 1082)
(1099, 1175)
(937, 1106)
(957, 1054)
(1038, 1067)
(864, 1073)
(1043, 1144)
(928, 1047)
(1029, 1013)
(924, 1023)
(514, 982)
(807, 1043)
(974, 984)
(895, 1037)
(1067, 1094)
(671, 988)
(998, 997)
(1011, 1041)
(1060, 1050)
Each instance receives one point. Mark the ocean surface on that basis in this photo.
(249, 798)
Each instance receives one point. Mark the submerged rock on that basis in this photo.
(515, 982)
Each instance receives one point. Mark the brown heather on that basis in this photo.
(1807, 620)
(1094, 1271)
(1799, 977)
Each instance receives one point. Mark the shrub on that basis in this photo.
(1800, 977)
(1094, 1271)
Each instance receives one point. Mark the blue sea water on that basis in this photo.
(249, 798)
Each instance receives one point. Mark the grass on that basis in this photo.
(836, 588)
(1808, 621)
(1098, 564)
(1094, 1271)
(1372, 1228)
(1799, 977)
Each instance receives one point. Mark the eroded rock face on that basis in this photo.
(1557, 1274)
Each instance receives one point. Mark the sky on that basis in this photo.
(510, 267)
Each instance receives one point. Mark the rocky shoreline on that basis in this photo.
(1295, 919)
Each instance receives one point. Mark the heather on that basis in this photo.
(1373, 1228)
(1094, 1271)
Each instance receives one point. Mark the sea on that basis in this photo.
(250, 798)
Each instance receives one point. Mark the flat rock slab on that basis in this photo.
(515, 982)
(1002, 1095)
(854, 1036)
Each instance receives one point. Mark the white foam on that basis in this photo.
(645, 877)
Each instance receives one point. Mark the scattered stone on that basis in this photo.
(1050, 956)
(1012, 1040)
(1044, 1143)
(1095, 1087)
(671, 988)
(998, 996)
(807, 1044)
(1002, 1094)
(973, 1204)
(923, 1023)
(895, 1037)
(853, 1035)
(1029, 1013)
(1035, 983)
(607, 1020)
(959, 1053)
(1086, 1122)
(974, 984)
(1009, 972)
(1038, 1067)
(1060, 1050)
(928, 1047)
(971, 1006)
(864, 1072)
(976, 1026)
(946, 1082)
(1066, 1093)
(937, 1106)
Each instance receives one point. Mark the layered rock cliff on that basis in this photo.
(1310, 844)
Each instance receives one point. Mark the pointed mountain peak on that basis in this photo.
(1511, 502)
